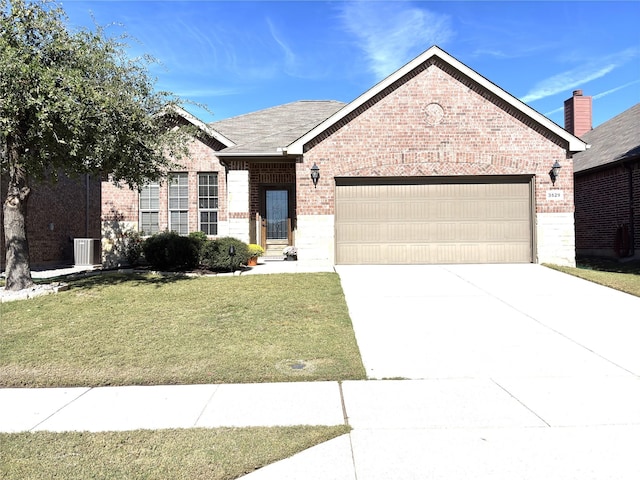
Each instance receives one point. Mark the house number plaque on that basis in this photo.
(555, 194)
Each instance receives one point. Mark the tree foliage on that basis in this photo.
(73, 102)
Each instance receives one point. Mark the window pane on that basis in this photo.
(179, 203)
(154, 203)
(209, 222)
(149, 223)
(179, 222)
(149, 206)
(208, 202)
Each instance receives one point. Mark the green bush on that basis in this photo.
(199, 238)
(133, 247)
(170, 251)
(215, 254)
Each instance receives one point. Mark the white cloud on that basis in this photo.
(613, 90)
(553, 112)
(597, 96)
(515, 48)
(390, 34)
(290, 60)
(576, 77)
(288, 53)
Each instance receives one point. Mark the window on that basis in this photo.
(149, 208)
(179, 203)
(208, 203)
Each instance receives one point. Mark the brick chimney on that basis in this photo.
(577, 114)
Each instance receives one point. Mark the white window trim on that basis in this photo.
(217, 210)
(179, 210)
(149, 210)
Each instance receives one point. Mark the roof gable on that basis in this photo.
(200, 125)
(616, 140)
(421, 62)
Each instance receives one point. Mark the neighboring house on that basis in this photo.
(607, 183)
(57, 215)
(435, 164)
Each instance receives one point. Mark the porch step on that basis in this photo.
(275, 248)
(272, 258)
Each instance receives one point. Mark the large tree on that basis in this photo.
(72, 102)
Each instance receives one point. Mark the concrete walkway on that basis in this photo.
(508, 371)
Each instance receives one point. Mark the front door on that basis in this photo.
(277, 210)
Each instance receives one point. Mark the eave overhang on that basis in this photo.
(203, 127)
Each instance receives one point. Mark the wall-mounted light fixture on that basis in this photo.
(315, 175)
(554, 172)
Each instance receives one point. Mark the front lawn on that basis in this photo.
(623, 276)
(217, 454)
(116, 329)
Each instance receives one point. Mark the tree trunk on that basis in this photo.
(18, 269)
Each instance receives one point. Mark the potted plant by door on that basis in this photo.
(290, 253)
(255, 251)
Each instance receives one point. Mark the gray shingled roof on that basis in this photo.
(264, 131)
(615, 140)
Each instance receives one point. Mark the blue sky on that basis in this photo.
(236, 57)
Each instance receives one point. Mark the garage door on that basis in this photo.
(402, 221)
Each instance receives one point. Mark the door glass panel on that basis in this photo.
(277, 214)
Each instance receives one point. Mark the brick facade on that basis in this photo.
(434, 123)
(58, 213)
(606, 200)
(120, 205)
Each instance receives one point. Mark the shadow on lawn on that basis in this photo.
(107, 278)
(609, 265)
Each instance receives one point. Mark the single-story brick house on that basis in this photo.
(607, 183)
(434, 164)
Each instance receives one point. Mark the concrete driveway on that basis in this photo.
(489, 321)
(517, 371)
(501, 372)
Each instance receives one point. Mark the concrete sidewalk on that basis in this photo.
(511, 371)
(438, 428)
(172, 406)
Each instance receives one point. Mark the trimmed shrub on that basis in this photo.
(199, 238)
(215, 254)
(170, 251)
(133, 247)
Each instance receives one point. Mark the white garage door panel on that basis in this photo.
(433, 223)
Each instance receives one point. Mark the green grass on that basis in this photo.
(623, 276)
(217, 454)
(116, 329)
